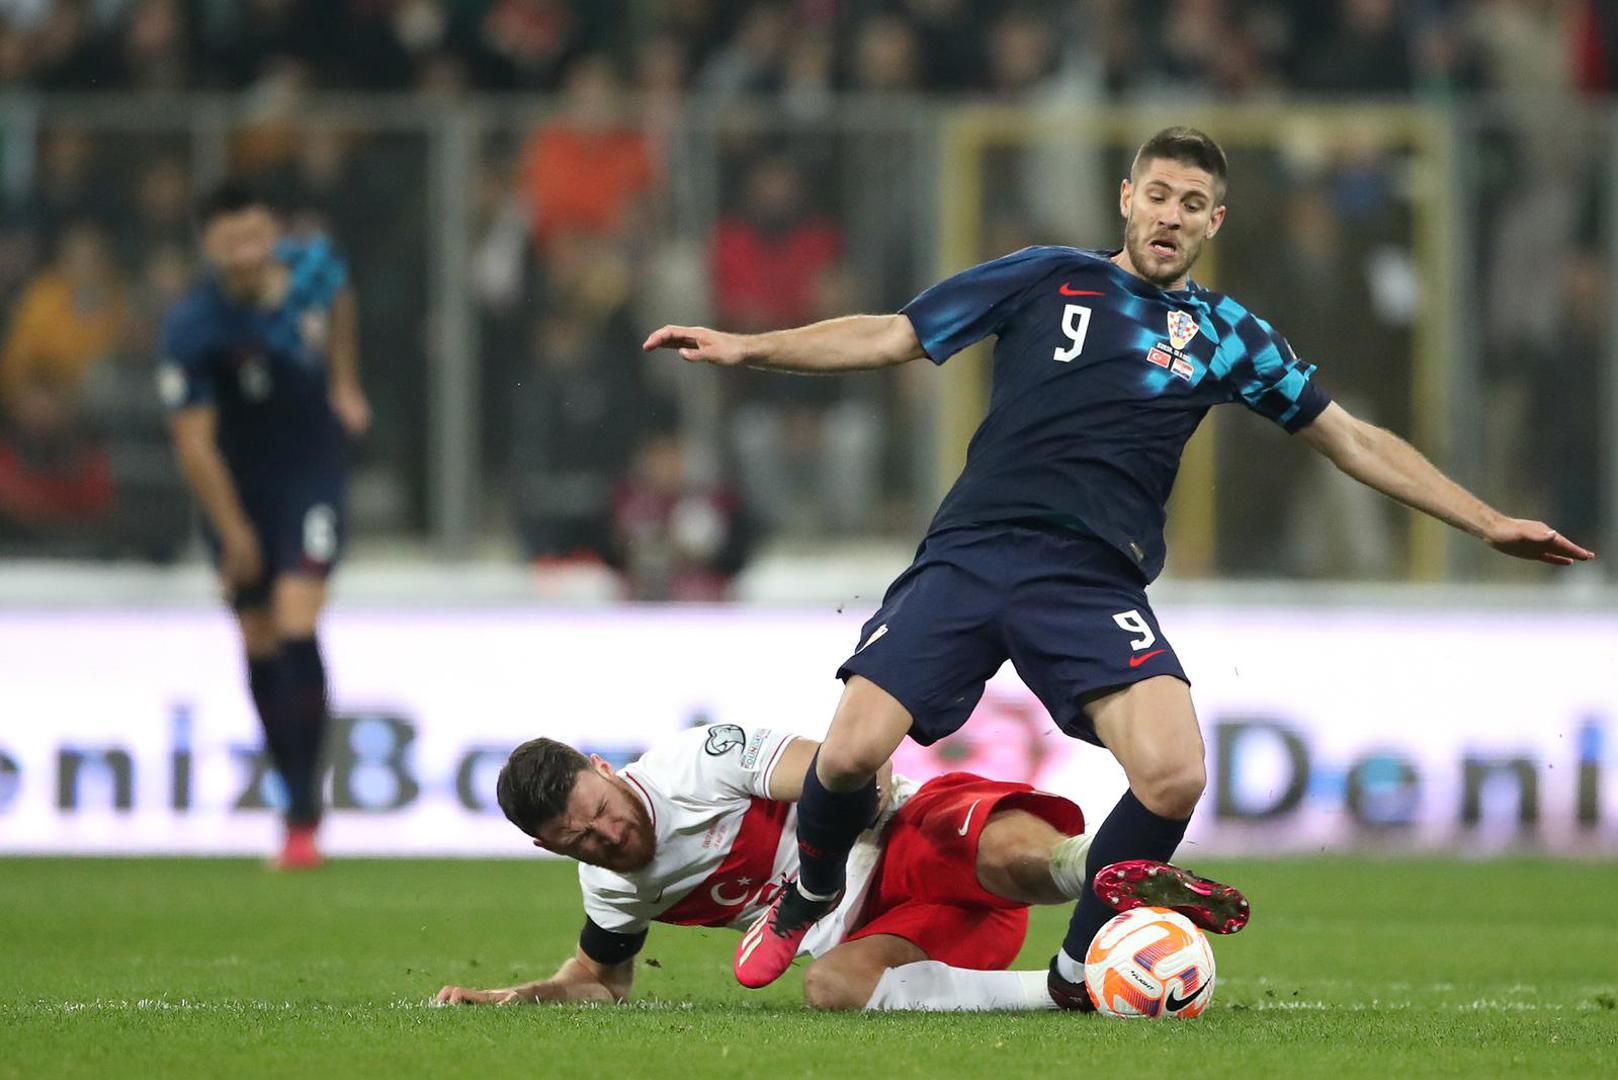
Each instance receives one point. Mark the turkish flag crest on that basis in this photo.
(1182, 328)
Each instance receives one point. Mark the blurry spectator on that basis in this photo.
(317, 186)
(164, 276)
(676, 538)
(886, 216)
(119, 405)
(1022, 54)
(162, 212)
(442, 75)
(254, 38)
(578, 405)
(1291, 515)
(55, 482)
(887, 57)
(753, 61)
(951, 42)
(1368, 54)
(805, 450)
(661, 70)
(525, 44)
(70, 185)
(809, 74)
(1565, 415)
(1524, 45)
(156, 45)
(71, 316)
(588, 170)
(70, 53)
(16, 59)
(772, 259)
(1596, 46)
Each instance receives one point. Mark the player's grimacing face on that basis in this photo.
(1171, 209)
(604, 824)
(240, 246)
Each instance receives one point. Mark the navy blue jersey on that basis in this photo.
(263, 368)
(1099, 380)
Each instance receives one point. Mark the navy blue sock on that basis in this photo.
(266, 682)
(1130, 832)
(304, 728)
(828, 824)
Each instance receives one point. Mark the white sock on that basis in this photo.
(1069, 968)
(1067, 865)
(929, 986)
(815, 898)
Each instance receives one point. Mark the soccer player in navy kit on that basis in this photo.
(1104, 365)
(259, 368)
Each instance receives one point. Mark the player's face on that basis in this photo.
(1170, 210)
(604, 824)
(241, 246)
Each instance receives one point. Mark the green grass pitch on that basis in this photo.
(220, 968)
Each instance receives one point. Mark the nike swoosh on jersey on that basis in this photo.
(967, 824)
(1137, 661)
(1068, 290)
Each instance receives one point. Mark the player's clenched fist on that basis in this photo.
(699, 345)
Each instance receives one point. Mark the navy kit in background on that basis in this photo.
(266, 371)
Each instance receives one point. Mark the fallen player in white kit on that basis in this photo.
(700, 832)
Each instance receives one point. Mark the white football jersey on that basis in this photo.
(724, 848)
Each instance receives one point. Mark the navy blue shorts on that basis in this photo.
(1069, 611)
(299, 521)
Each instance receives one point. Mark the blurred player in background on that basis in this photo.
(698, 832)
(1105, 363)
(260, 371)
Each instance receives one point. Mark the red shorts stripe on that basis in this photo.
(926, 887)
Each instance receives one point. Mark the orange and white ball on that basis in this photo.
(1150, 963)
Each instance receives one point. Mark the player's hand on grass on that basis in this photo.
(699, 345)
(461, 995)
(241, 562)
(353, 411)
(1536, 541)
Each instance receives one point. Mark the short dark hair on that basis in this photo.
(1188, 146)
(535, 782)
(230, 197)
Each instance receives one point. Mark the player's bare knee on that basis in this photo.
(829, 987)
(1173, 789)
(260, 639)
(847, 764)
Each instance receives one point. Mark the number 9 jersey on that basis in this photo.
(1099, 380)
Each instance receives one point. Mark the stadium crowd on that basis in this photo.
(628, 203)
(1155, 47)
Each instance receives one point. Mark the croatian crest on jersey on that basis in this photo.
(1182, 328)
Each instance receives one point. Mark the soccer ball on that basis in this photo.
(1150, 963)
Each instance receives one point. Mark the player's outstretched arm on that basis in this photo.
(852, 343)
(579, 979)
(1378, 458)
